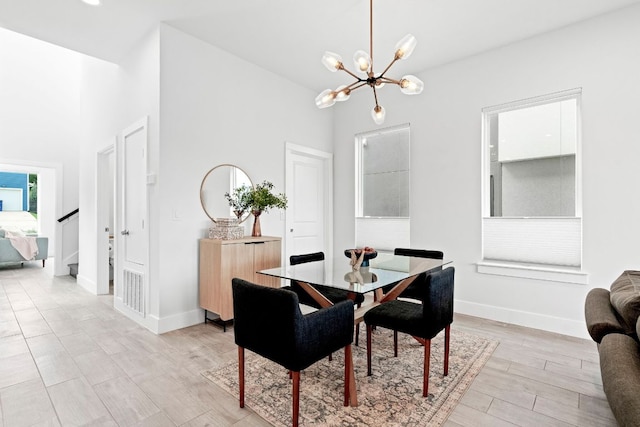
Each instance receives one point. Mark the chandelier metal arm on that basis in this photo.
(355, 76)
(389, 80)
(375, 95)
(355, 85)
(371, 33)
(388, 66)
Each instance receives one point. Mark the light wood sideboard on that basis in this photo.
(222, 260)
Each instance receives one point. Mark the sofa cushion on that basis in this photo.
(2, 233)
(625, 298)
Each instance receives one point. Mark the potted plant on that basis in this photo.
(239, 200)
(260, 199)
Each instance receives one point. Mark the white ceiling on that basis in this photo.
(288, 37)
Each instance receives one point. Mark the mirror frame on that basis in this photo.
(204, 208)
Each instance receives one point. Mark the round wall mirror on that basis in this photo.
(218, 181)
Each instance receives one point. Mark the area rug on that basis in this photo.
(392, 396)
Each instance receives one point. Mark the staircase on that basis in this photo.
(73, 270)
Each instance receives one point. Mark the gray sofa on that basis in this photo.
(613, 322)
(8, 254)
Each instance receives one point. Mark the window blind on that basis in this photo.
(384, 234)
(552, 241)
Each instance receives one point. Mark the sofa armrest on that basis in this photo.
(620, 368)
(600, 315)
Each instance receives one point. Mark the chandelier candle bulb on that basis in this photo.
(326, 99)
(332, 61)
(378, 113)
(405, 46)
(411, 85)
(343, 93)
(362, 61)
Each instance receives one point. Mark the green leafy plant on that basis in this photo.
(239, 199)
(261, 199)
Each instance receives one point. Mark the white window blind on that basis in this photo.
(551, 241)
(383, 234)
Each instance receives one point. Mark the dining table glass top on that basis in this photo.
(385, 269)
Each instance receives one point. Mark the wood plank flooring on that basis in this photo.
(68, 358)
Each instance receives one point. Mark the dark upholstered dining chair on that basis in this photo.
(268, 322)
(332, 294)
(424, 320)
(414, 290)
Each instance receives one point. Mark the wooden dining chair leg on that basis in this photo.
(358, 327)
(427, 359)
(348, 368)
(296, 397)
(241, 374)
(395, 343)
(369, 327)
(447, 335)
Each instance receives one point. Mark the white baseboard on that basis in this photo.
(180, 320)
(558, 325)
(161, 325)
(87, 284)
(149, 322)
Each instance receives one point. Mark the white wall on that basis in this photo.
(39, 124)
(101, 119)
(599, 55)
(217, 108)
(196, 120)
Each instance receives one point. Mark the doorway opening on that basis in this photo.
(106, 247)
(35, 208)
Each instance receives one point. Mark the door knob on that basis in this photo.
(125, 232)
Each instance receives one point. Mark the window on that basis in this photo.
(533, 157)
(531, 182)
(383, 188)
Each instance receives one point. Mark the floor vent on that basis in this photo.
(133, 291)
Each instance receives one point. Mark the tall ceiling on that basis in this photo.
(288, 37)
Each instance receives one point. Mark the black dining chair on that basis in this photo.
(424, 320)
(414, 291)
(332, 294)
(268, 322)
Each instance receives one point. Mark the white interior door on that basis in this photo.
(134, 192)
(131, 228)
(308, 188)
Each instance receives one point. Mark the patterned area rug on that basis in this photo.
(392, 396)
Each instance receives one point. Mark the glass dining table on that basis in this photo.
(382, 271)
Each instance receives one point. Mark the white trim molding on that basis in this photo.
(544, 322)
(534, 271)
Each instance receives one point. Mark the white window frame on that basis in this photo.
(520, 246)
(381, 233)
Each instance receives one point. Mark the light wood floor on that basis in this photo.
(68, 358)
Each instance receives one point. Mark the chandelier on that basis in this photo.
(409, 84)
